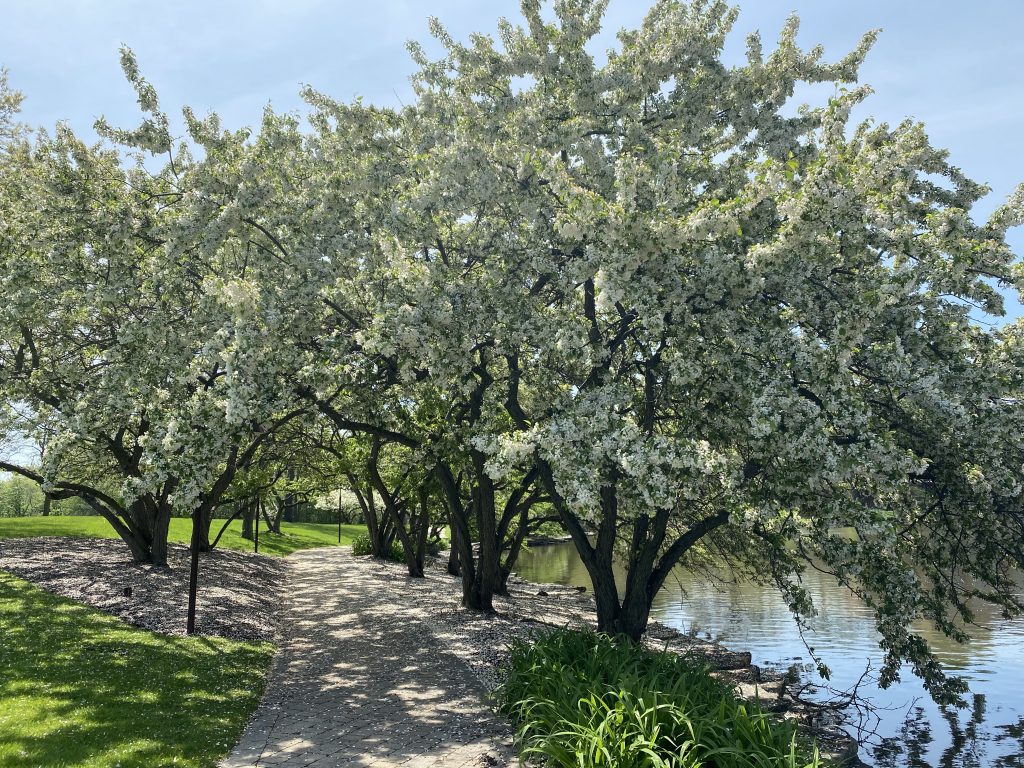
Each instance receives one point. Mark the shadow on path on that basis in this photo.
(360, 680)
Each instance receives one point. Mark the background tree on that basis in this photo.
(19, 497)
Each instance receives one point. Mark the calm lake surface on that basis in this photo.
(913, 731)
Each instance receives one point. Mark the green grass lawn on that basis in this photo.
(81, 688)
(293, 536)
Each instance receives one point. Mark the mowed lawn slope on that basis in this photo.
(81, 688)
(293, 536)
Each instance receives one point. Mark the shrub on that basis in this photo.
(362, 547)
(583, 699)
(436, 546)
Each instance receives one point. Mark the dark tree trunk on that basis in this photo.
(423, 531)
(414, 540)
(369, 514)
(46, 504)
(514, 526)
(410, 523)
(507, 566)
(193, 581)
(454, 568)
(126, 527)
(488, 571)
(248, 517)
(274, 522)
(629, 620)
(394, 514)
(205, 519)
(598, 558)
(646, 571)
(144, 529)
(394, 518)
(480, 575)
(379, 525)
(158, 544)
(141, 552)
(462, 543)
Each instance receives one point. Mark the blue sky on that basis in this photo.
(954, 65)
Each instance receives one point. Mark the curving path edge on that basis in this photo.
(361, 680)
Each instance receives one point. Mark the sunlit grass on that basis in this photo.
(81, 688)
(293, 536)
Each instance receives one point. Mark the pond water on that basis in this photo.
(912, 731)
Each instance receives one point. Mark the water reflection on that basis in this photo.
(913, 732)
(970, 746)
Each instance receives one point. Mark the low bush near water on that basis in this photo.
(581, 699)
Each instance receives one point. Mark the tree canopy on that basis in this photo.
(642, 291)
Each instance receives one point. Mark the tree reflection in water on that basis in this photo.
(970, 747)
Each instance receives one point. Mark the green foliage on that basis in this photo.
(71, 507)
(293, 536)
(311, 513)
(582, 699)
(436, 546)
(81, 688)
(19, 496)
(362, 547)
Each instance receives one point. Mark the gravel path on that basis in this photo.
(238, 596)
(362, 680)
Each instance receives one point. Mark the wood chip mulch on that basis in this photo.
(238, 596)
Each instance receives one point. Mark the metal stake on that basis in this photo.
(193, 579)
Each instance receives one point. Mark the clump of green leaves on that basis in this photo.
(362, 547)
(584, 699)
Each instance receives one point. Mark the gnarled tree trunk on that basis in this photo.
(480, 575)
(648, 561)
(248, 517)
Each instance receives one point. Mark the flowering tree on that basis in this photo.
(10, 105)
(704, 326)
(138, 331)
(406, 351)
(716, 330)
